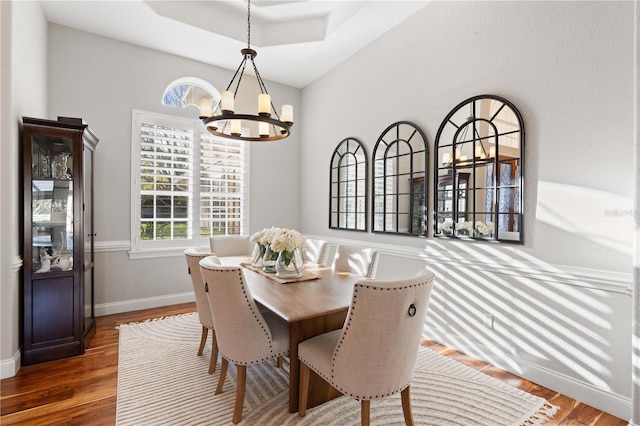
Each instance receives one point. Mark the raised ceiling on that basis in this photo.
(297, 40)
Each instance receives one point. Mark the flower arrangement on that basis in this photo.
(464, 227)
(287, 240)
(275, 240)
(484, 229)
(262, 240)
(445, 227)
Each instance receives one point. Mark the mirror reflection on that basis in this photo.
(348, 186)
(479, 171)
(399, 186)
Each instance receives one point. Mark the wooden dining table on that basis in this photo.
(310, 308)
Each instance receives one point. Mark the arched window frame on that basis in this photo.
(348, 187)
(399, 201)
(460, 171)
(187, 92)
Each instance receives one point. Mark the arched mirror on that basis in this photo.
(348, 186)
(399, 181)
(478, 171)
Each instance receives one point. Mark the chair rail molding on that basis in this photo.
(106, 246)
(456, 254)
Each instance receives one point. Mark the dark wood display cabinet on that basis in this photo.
(58, 238)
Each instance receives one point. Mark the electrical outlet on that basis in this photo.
(487, 320)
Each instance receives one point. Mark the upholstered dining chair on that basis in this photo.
(231, 245)
(389, 315)
(245, 335)
(315, 251)
(194, 256)
(354, 259)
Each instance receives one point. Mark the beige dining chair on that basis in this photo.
(389, 315)
(231, 245)
(245, 335)
(354, 259)
(194, 256)
(315, 251)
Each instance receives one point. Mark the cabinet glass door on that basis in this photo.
(52, 204)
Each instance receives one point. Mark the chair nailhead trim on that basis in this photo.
(262, 324)
(346, 330)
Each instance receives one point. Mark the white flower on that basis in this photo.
(445, 226)
(287, 240)
(464, 227)
(279, 239)
(484, 229)
(264, 236)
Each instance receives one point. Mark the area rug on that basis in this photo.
(161, 381)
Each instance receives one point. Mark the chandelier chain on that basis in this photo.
(249, 24)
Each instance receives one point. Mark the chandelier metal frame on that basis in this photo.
(220, 122)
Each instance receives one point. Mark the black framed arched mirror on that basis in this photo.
(400, 159)
(348, 186)
(478, 169)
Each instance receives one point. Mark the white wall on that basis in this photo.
(23, 72)
(561, 302)
(102, 80)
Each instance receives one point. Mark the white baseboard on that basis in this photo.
(609, 402)
(146, 303)
(9, 367)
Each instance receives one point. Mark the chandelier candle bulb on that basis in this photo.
(287, 113)
(264, 104)
(227, 101)
(236, 127)
(492, 152)
(263, 129)
(479, 153)
(206, 107)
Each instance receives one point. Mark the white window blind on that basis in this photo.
(187, 184)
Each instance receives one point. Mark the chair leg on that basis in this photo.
(406, 406)
(303, 391)
(240, 388)
(364, 414)
(223, 375)
(203, 339)
(214, 353)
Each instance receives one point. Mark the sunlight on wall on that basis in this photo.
(558, 204)
(541, 313)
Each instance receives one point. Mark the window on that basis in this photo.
(190, 92)
(478, 171)
(399, 187)
(187, 184)
(348, 186)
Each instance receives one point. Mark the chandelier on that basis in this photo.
(480, 153)
(267, 125)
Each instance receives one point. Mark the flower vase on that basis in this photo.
(289, 264)
(257, 255)
(269, 260)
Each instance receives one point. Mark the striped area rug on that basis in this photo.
(161, 381)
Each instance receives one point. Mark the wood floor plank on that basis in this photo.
(82, 390)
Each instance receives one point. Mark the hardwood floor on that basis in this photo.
(82, 390)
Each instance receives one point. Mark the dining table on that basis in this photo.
(311, 307)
